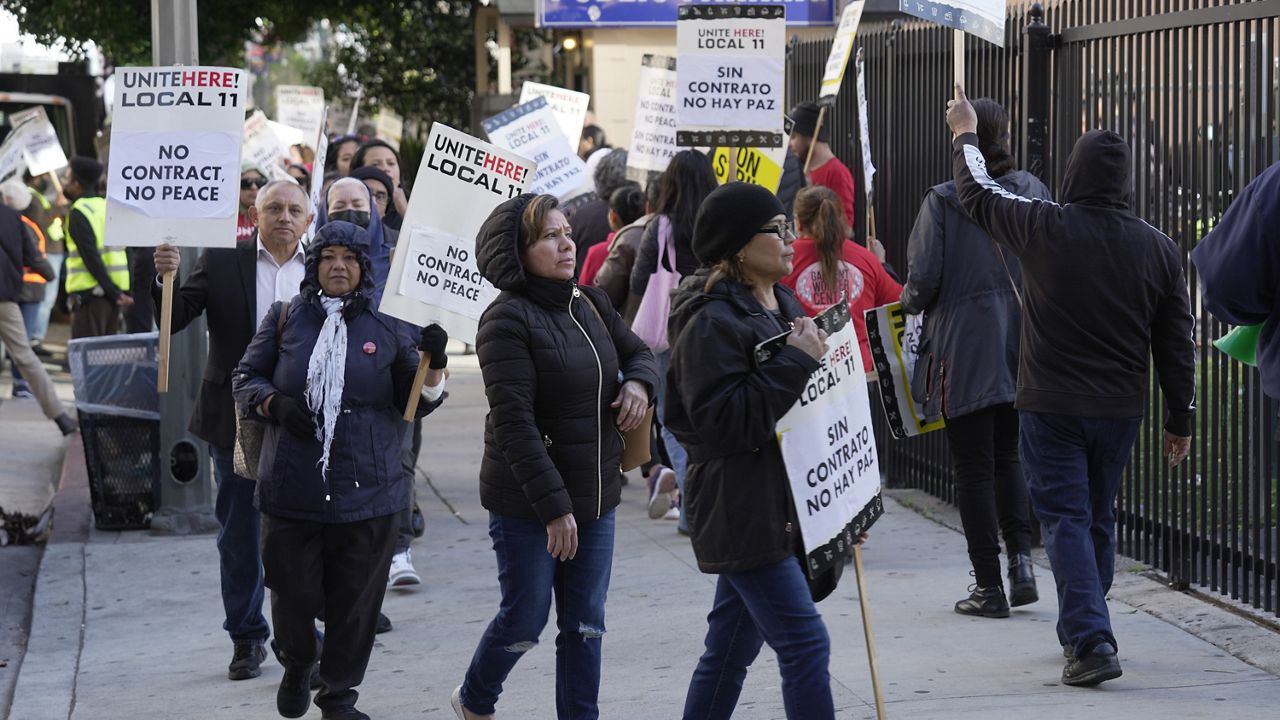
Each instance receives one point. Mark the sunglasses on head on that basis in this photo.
(246, 183)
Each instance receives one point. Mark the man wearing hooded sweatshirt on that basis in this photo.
(1103, 291)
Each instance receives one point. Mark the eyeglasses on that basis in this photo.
(380, 196)
(782, 229)
(247, 184)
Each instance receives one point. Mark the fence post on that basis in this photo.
(1035, 94)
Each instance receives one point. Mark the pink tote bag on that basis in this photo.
(655, 307)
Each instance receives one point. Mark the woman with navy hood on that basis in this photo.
(723, 406)
(563, 374)
(331, 376)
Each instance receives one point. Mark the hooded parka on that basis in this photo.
(365, 478)
(552, 366)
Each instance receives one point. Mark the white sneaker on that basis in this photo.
(456, 701)
(661, 486)
(672, 514)
(402, 572)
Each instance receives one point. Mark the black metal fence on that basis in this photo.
(1194, 85)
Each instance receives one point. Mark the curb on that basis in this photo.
(46, 687)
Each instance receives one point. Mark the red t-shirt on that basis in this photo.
(862, 279)
(594, 260)
(244, 227)
(833, 174)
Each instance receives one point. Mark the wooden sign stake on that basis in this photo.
(866, 628)
(817, 131)
(166, 330)
(420, 379)
(958, 67)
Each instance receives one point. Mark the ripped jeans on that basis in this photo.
(527, 576)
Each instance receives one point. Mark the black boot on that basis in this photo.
(985, 602)
(1098, 665)
(293, 699)
(1022, 581)
(347, 712)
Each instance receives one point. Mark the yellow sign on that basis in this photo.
(758, 166)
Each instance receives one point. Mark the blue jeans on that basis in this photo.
(527, 575)
(1073, 467)
(239, 551)
(50, 297)
(675, 451)
(769, 604)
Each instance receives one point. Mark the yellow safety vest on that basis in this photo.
(79, 279)
(54, 231)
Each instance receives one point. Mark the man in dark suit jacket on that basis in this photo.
(234, 288)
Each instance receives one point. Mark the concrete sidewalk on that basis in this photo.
(129, 626)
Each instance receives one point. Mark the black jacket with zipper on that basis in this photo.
(724, 408)
(551, 366)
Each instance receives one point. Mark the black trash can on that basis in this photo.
(118, 406)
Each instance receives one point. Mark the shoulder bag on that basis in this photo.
(635, 444)
(250, 427)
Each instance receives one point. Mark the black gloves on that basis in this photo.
(292, 416)
(433, 342)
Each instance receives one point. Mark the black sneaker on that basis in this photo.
(986, 602)
(293, 699)
(383, 626)
(246, 663)
(41, 351)
(1098, 665)
(66, 424)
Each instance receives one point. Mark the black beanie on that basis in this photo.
(86, 170)
(730, 216)
(804, 119)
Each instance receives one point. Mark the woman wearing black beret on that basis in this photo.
(722, 406)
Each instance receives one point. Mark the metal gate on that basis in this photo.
(1194, 86)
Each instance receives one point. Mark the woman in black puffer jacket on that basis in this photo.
(723, 406)
(563, 374)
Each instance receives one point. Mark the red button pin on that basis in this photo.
(370, 348)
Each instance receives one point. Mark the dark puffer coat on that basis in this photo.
(724, 408)
(365, 478)
(551, 369)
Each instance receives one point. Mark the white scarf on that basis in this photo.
(326, 374)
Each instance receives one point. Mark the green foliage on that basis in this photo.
(414, 57)
(122, 28)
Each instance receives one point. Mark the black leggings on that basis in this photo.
(990, 489)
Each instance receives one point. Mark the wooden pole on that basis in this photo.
(732, 175)
(866, 629)
(57, 184)
(871, 220)
(166, 330)
(959, 67)
(817, 130)
(420, 379)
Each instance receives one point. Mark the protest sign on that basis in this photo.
(568, 106)
(653, 135)
(263, 147)
(894, 338)
(531, 131)
(175, 156)
(829, 448)
(983, 18)
(12, 161)
(433, 276)
(841, 50)
(731, 75)
(390, 127)
(657, 13)
(864, 133)
(758, 166)
(41, 151)
(301, 107)
(317, 173)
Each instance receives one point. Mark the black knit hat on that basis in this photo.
(730, 216)
(804, 119)
(86, 171)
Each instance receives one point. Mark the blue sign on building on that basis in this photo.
(642, 13)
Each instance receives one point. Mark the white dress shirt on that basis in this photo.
(277, 282)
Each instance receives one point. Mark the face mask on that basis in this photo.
(355, 217)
